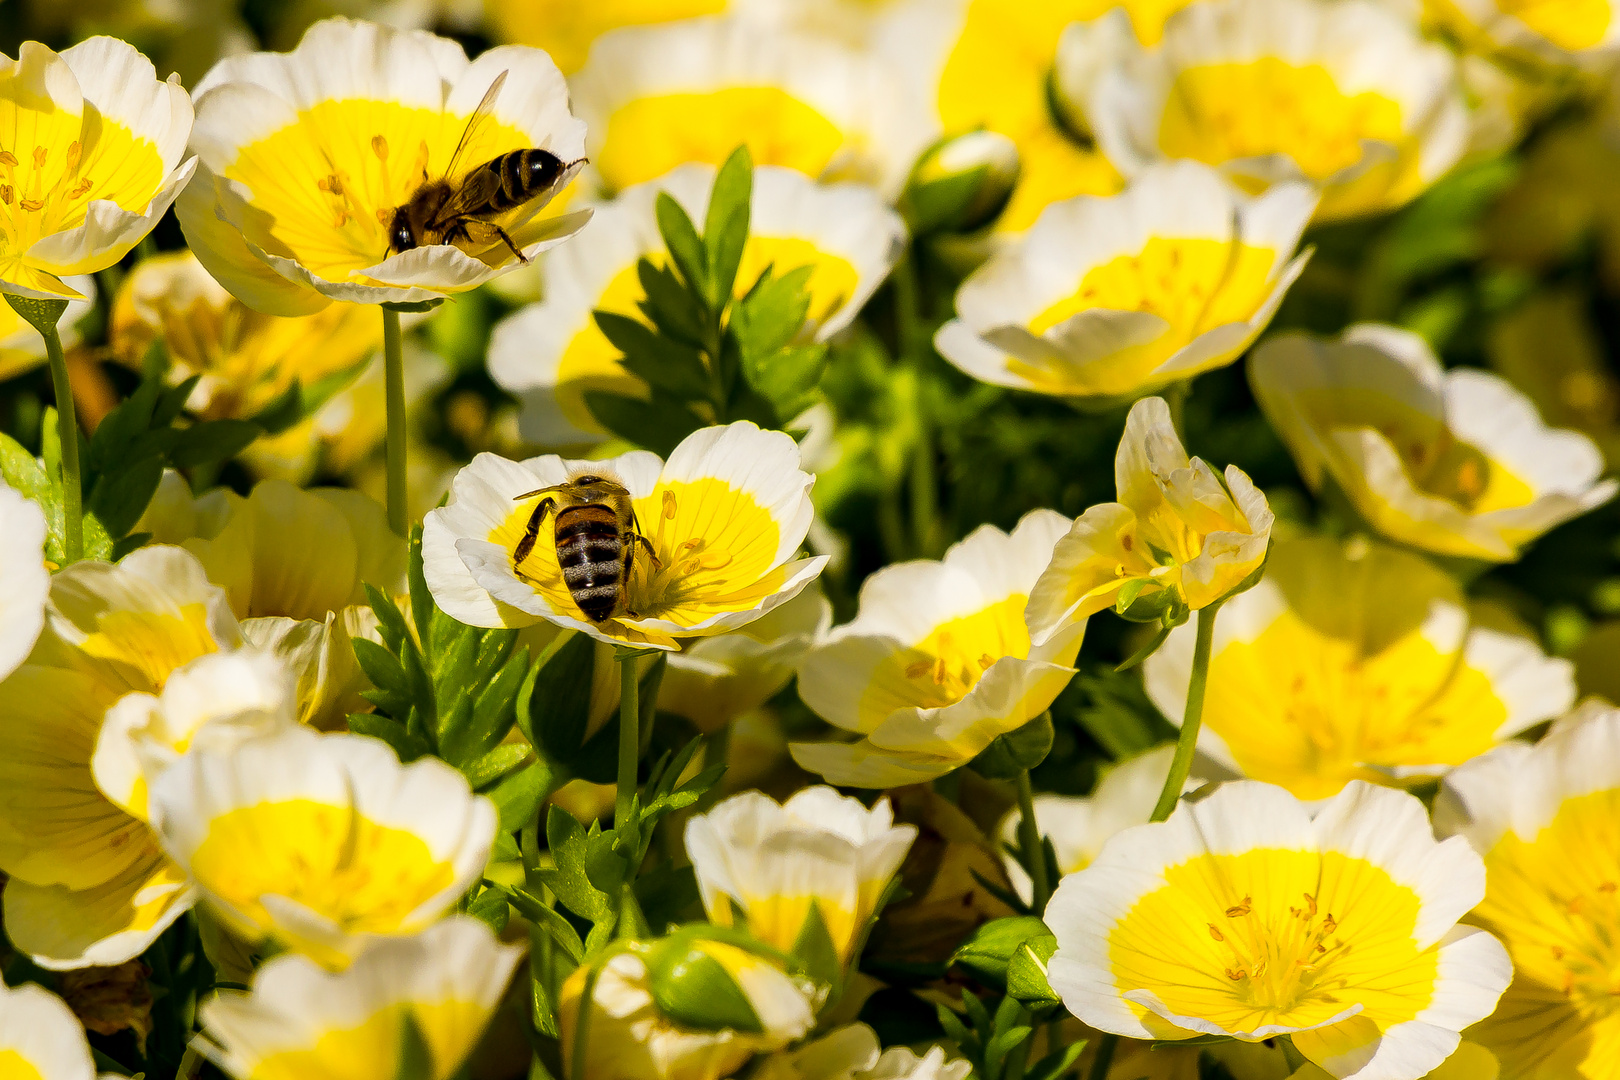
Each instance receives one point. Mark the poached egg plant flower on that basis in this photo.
(1342, 94)
(41, 1037)
(1356, 661)
(301, 1020)
(323, 842)
(1543, 818)
(305, 155)
(92, 162)
(1456, 462)
(1247, 916)
(1109, 297)
(763, 865)
(25, 581)
(723, 518)
(938, 662)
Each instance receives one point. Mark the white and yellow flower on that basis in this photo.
(246, 360)
(41, 1038)
(21, 346)
(1356, 662)
(301, 1020)
(985, 64)
(324, 843)
(627, 1036)
(89, 883)
(853, 1053)
(304, 155)
(566, 29)
(655, 97)
(1177, 535)
(25, 582)
(294, 564)
(91, 162)
(1108, 297)
(1543, 818)
(762, 864)
(1078, 826)
(1455, 462)
(724, 518)
(1244, 915)
(715, 681)
(1551, 31)
(938, 661)
(1343, 94)
(550, 353)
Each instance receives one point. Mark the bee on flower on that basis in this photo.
(1458, 463)
(373, 165)
(939, 661)
(655, 552)
(551, 353)
(1342, 94)
(93, 161)
(1248, 916)
(1360, 662)
(1108, 298)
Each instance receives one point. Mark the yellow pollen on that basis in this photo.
(669, 504)
(422, 161)
(986, 661)
(81, 187)
(918, 669)
(688, 545)
(330, 184)
(714, 560)
(1238, 975)
(5, 194)
(384, 214)
(31, 204)
(7, 157)
(74, 153)
(379, 146)
(939, 671)
(1216, 934)
(40, 154)
(1244, 908)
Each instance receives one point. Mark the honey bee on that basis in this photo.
(447, 209)
(596, 534)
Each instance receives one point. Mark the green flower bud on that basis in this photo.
(961, 184)
(992, 947)
(1016, 751)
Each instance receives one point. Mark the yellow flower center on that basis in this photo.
(1569, 24)
(372, 1047)
(364, 876)
(13, 1066)
(144, 648)
(945, 666)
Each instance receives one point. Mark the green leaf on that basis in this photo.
(490, 907)
(725, 229)
(392, 732)
(670, 307)
(545, 917)
(518, 795)
(390, 621)
(119, 429)
(658, 426)
(415, 1056)
(22, 471)
(285, 410)
(382, 668)
(664, 364)
(495, 764)
(770, 316)
(988, 951)
(173, 401)
(457, 739)
(493, 710)
(1058, 1062)
(212, 441)
(1017, 751)
(684, 244)
(422, 606)
(667, 894)
(557, 708)
(571, 878)
(122, 493)
(1026, 974)
(814, 948)
(789, 380)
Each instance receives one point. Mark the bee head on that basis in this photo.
(400, 237)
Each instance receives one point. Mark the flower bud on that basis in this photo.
(961, 184)
(992, 947)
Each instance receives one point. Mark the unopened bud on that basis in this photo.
(961, 184)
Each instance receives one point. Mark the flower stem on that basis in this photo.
(394, 390)
(1029, 842)
(576, 1066)
(43, 314)
(1104, 1058)
(1191, 718)
(629, 737)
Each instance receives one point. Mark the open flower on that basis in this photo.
(763, 865)
(659, 96)
(986, 64)
(551, 353)
(89, 883)
(1178, 535)
(300, 1020)
(566, 29)
(1120, 296)
(24, 580)
(1551, 31)
(852, 1052)
(938, 662)
(1344, 94)
(306, 155)
(629, 1037)
(1357, 662)
(98, 165)
(323, 842)
(721, 522)
(21, 346)
(1243, 915)
(1543, 818)
(1456, 462)
(246, 359)
(40, 1037)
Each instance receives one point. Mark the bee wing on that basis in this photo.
(480, 116)
(470, 197)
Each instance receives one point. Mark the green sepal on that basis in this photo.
(1016, 751)
(990, 949)
(415, 1056)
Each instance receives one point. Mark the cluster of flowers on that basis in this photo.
(1354, 861)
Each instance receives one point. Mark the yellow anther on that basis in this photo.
(714, 560)
(31, 204)
(379, 146)
(81, 188)
(939, 671)
(918, 669)
(1237, 910)
(340, 219)
(1310, 906)
(689, 545)
(74, 153)
(7, 157)
(40, 154)
(330, 184)
(1329, 925)
(5, 194)
(1236, 975)
(986, 661)
(384, 215)
(669, 504)
(1606, 887)
(1214, 933)
(1470, 480)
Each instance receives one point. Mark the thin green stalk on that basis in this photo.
(576, 1066)
(1191, 718)
(394, 391)
(1029, 841)
(1105, 1057)
(43, 314)
(629, 737)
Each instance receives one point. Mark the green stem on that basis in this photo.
(1175, 396)
(629, 738)
(576, 1067)
(1029, 842)
(190, 1063)
(43, 314)
(394, 400)
(1104, 1058)
(1191, 718)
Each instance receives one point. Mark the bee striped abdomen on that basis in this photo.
(591, 551)
(524, 174)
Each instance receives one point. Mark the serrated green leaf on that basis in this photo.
(494, 709)
(664, 364)
(670, 307)
(658, 426)
(390, 621)
(494, 646)
(457, 739)
(212, 441)
(770, 317)
(681, 239)
(490, 907)
(407, 747)
(725, 229)
(546, 918)
(173, 401)
(381, 667)
(519, 794)
(122, 493)
(489, 768)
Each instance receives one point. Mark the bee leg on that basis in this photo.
(651, 554)
(530, 534)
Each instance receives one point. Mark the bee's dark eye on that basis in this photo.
(542, 168)
(400, 234)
